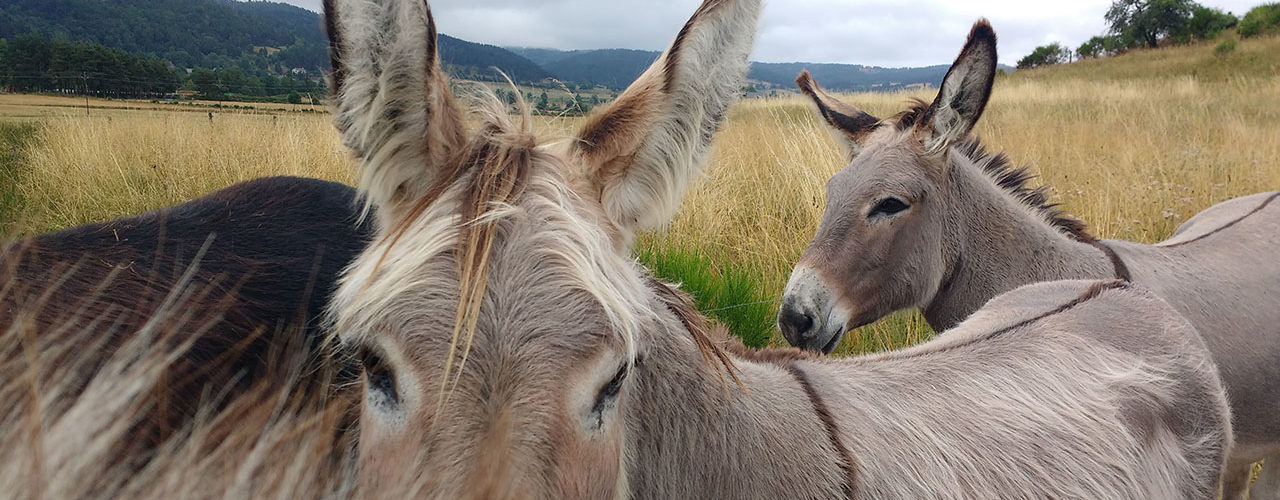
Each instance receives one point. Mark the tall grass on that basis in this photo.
(15, 138)
(93, 168)
(1133, 145)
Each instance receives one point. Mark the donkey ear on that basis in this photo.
(393, 105)
(854, 123)
(643, 150)
(964, 91)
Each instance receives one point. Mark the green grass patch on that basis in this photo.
(730, 294)
(15, 139)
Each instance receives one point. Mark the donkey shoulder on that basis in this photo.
(1224, 215)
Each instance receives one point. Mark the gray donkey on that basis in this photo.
(511, 346)
(924, 217)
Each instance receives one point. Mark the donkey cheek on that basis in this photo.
(383, 462)
(590, 468)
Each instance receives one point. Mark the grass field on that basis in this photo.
(1133, 145)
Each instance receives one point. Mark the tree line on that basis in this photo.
(1150, 23)
(32, 63)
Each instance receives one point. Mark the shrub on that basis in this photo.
(1261, 20)
(1226, 47)
(730, 294)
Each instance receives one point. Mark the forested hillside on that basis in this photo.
(187, 33)
(260, 38)
(613, 68)
(476, 61)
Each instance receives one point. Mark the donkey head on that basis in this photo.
(881, 244)
(498, 315)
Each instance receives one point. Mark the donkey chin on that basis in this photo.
(812, 316)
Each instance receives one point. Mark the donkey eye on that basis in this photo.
(608, 395)
(888, 206)
(610, 390)
(379, 380)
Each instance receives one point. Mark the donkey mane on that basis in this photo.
(1015, 179)
(1012, 179)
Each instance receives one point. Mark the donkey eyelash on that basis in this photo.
(888, 206)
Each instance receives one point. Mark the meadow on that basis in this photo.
(1133, 145)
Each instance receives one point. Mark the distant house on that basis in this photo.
(185, 94)
(298, 71)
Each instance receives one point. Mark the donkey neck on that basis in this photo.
(994, 242)
(695, 434)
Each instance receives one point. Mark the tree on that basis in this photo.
(1149, 21)
(232, 79)
(1045, 55)
(1207, 22)
(205, 81)
(1100, 46)
(295, 98)
(542, 101)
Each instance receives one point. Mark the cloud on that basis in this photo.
(872, 32)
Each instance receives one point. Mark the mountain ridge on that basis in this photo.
(265, 37)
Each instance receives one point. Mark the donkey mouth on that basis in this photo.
(848, 327)
(835, 339)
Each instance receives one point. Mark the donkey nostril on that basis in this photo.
(795, 322)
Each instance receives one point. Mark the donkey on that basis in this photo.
(263, 257)
(925, 217)
(510, 346)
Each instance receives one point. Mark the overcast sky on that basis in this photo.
(889, 33)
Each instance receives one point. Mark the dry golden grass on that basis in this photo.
(1132, 156)
(89, 169)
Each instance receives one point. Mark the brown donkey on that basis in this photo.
(924, 217)
(512, 348)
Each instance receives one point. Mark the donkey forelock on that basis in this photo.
(504, 175)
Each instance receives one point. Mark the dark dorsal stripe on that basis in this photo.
(1121, 269)
(847, 463)
(1091, 293)
(1229, 224)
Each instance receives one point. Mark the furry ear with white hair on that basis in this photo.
(644, 149)
(393, 105)
(964, 92)
(854, 123)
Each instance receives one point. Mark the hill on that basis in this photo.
(1250, 58)
(615, 68)
(187, 33)
(848, 77)
(259, 37)
(476, 61)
